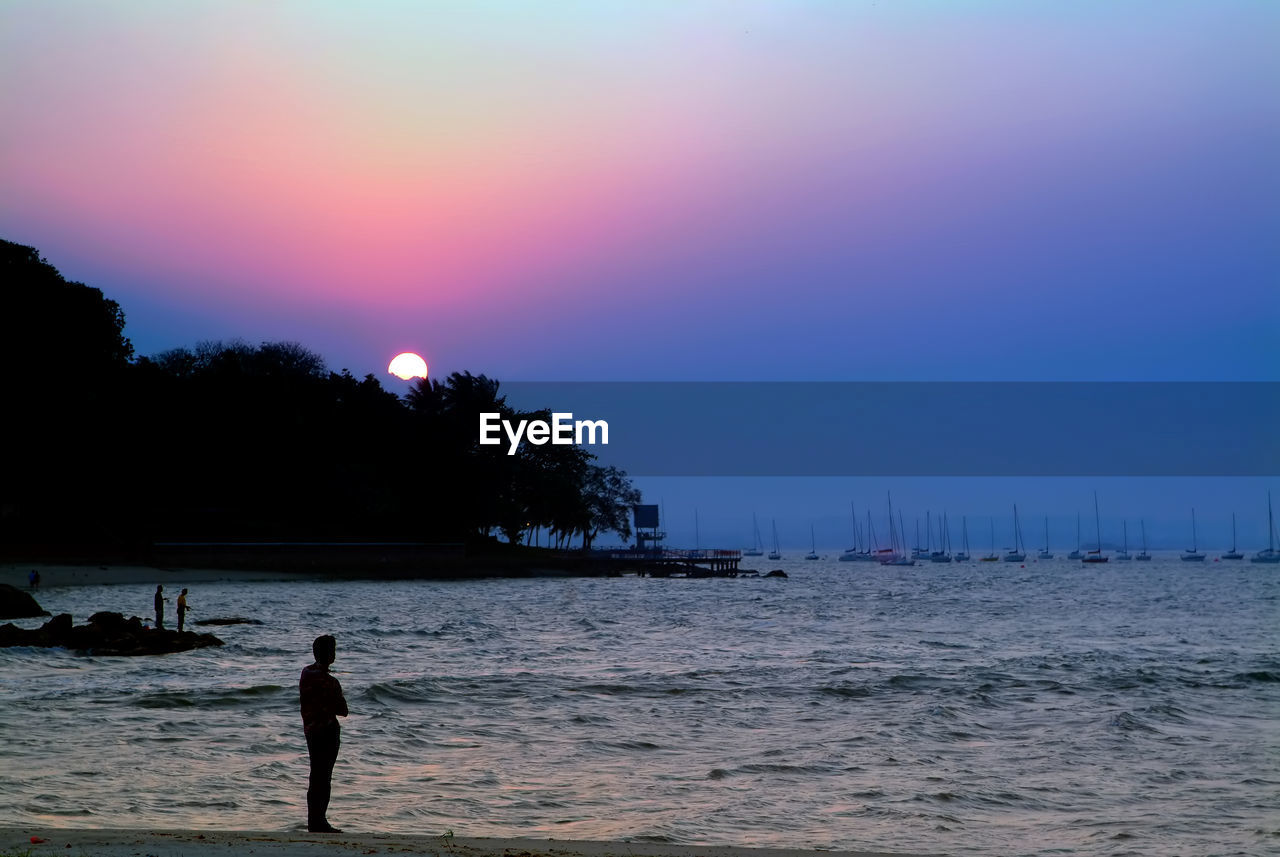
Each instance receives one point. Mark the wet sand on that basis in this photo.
(185, 843)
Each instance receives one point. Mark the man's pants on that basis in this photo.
(322, 746)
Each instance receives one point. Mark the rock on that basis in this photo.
(777, 572)
(57, 627)
(16, 604)
(230, 620)
(106, 634)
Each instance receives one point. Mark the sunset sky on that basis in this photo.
(665, 190)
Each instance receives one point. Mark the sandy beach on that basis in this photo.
(183, 843)
(15, 574)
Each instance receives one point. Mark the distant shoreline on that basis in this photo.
(173, 843)
(283, 561)
(339, 560)
(65, 574)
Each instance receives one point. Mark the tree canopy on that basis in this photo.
(228, 440)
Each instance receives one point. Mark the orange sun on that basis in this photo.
(408, 365)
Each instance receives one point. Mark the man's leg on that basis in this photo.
(322, 745)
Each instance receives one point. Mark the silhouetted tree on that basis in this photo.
(62, 357)
(227, 440)
(609, 496)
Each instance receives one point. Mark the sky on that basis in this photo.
(683, 190)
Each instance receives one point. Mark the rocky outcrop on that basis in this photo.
(106, 634)
(230, 620)
(16, 604)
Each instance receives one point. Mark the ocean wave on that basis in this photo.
(1260, 676)
(1128, 722)
(908, 681)
(230, 698)
(399, 692)
(625, 746)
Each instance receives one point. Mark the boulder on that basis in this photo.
(777, 572)
(106, 633)
(230, 620)
(16, 604)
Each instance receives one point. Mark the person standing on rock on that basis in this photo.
(182, 608)
(159, 607)
(322, 704)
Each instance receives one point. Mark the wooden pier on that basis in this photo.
(669, 562)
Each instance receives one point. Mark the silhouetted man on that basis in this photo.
(322, 704)
(159, 607)
(182, 609)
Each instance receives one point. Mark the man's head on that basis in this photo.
(325, 648)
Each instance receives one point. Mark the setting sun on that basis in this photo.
(408, 365)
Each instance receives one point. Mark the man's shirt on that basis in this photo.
(321, 697)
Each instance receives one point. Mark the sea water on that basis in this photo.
(1048, 707)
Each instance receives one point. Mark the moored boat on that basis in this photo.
(1233, 553)
(1270, 556)
(1193, 554)
(1144, 556)
(1095, 556)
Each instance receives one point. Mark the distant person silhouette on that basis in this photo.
(182, 608)
(159, 607)
(322, 704)
(33, 579)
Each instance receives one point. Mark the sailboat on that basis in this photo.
(1233, 553)
(1076, 554)
(1269, 556)
(775, 553)
(756, 549)
(918, 552)
(1123, 556)
(813, 545)
(963, 556)
(852, 554)
(943, 553)
(1144, 556)
(892, 556)
(1018, 554)
(870, 554)
(1193, 554)
(1044, 553)
(1098, 555)
(993, 556)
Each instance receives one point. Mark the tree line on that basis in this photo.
(232, 441)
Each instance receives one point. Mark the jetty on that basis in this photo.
(675, 562)
(648, 556)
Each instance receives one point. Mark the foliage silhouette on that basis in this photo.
(232, 441)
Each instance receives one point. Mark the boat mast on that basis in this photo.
(1271, 526)
(1097, 521)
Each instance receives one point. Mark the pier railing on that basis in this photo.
(673, 555)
